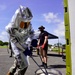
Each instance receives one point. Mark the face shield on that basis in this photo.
(24, 25)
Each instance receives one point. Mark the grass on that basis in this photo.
(54, 49)
(3, 46)
(58, 50)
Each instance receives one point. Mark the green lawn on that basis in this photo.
(54, 49)
(3, 46)
(58, 50)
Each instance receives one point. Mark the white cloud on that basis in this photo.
(4, 36)
(51, 17)
(60, 32)
(2, 7)
(4, 33)
(1, 37)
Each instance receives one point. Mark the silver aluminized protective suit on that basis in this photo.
(18, 36)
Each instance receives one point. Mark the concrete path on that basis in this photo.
(55, 62)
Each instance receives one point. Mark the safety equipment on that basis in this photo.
(9, 73)
(25, 13)
(20, 27)
(24, 25)
(43, 46)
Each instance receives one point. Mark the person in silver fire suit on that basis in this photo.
(20, 30)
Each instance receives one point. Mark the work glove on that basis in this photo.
(43, 46)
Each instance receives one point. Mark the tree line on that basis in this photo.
(3, 43)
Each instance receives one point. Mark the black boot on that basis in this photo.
(42, 64)
(45, 65)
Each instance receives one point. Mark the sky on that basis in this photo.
(49, 13)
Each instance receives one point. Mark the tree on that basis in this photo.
(5, 43)
(1, 43)
(58, 44)
(49, 45)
